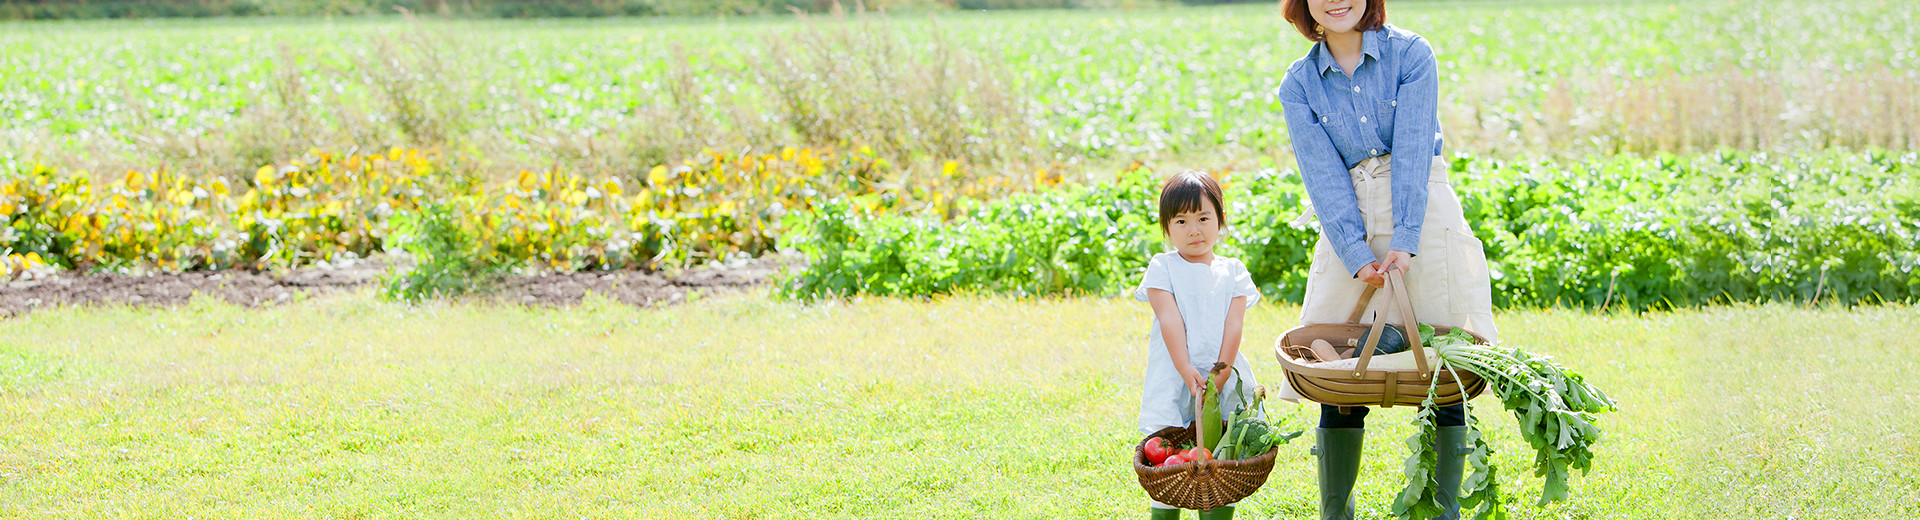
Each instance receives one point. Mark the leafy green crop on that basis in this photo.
(1630, 231)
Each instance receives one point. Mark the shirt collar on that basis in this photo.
(1371, 43)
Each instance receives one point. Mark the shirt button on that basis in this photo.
(1393, 103)
(1323, 119)
(1356, 88)
(1363, 119)
(1375, 151)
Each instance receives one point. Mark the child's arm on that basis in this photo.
(1230, 341)
(1173, 329)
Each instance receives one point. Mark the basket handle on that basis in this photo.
(1397, 287)
(1200, 405)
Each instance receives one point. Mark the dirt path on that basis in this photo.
(266, 288)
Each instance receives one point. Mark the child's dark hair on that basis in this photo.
(1183, 192)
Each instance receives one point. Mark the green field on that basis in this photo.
(1002, 89)
(1620, 155)
(964, 407)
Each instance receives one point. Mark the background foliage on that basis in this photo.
(1635, 232)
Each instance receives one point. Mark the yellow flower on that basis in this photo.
(578, 198)
(132, 180)
(950, 169)
(526, 180)
(264, 175)
(658, 176)
(119, 201)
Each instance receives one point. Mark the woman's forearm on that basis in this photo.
(1325, 175)
(1416, 141)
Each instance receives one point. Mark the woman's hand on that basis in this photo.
(1195, 381)
(1397, 259)
(1373, 275)
(1220, 380)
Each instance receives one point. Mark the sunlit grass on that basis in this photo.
(949, 408)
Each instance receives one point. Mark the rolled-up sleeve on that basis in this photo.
(1325, 175)
(1415, 137)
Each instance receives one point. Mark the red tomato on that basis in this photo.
(1199, 453)
(1157, 451)
(1173, 461)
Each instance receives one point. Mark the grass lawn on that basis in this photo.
(963, 407)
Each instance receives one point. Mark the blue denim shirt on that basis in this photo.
(1389, 104)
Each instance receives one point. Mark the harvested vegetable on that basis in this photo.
(1396, 361)
(1554, 406)
(1248, 434)
(1157, 451)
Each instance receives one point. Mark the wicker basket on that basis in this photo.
(1363, 386)
(1200, 485)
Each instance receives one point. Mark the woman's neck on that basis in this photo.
(1346, 49)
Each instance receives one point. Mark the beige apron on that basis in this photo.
(1448, 282)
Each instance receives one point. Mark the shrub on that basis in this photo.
(1640, 232)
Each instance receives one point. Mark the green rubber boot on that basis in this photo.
(1451, 447)
(1338, 450)
(1164, 514)
(1218, 513)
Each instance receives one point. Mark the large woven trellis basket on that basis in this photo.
(1362, 385)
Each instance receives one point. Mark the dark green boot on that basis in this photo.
(1451, 447)
(1338, 451)
(1218, 513)
(1164, 514)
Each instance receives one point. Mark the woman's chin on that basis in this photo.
(1340, 25)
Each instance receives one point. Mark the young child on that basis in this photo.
(1199, 300)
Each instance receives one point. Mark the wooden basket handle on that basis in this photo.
(1397, 287)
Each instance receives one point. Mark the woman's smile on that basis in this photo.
(1336, 13)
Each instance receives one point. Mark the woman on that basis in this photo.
(1361, 110)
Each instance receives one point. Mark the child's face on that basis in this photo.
(1195, 232)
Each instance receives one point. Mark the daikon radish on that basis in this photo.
(1395, 361)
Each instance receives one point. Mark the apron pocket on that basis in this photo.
(1469, 286)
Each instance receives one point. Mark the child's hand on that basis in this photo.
(1194, 380)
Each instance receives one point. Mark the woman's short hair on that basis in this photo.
(1183, 192)
(1296, 13)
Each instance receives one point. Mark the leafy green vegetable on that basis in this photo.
(1554, 406)
(1248, 434)
(1419, 499)
(1481, 489)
